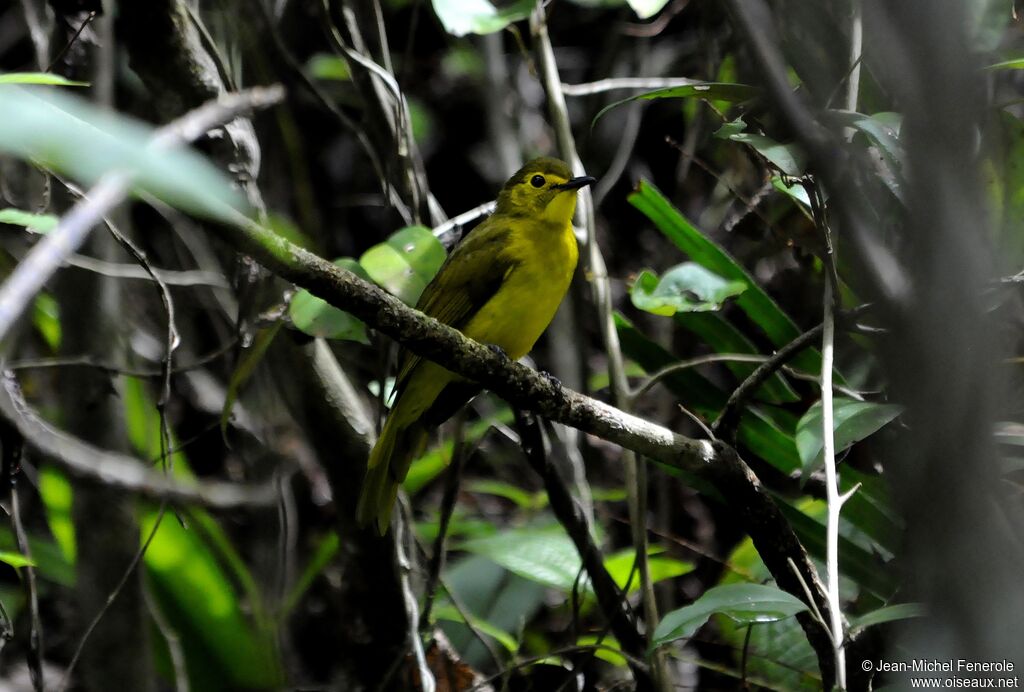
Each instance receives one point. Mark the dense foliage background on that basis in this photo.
(184, 431)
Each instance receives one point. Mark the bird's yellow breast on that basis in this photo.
(543, 259)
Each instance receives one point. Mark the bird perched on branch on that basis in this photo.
(500, 286)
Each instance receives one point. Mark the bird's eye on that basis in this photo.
(537, 181)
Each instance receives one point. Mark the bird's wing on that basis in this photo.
(471, 275)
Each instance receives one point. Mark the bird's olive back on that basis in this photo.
(529, 190)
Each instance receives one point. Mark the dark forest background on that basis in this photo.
(807, 219)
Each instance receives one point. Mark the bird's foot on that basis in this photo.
(555, 382)
(498, 351)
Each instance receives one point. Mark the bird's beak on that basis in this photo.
(576, 183)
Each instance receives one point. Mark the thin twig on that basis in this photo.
(35, 652)
(615, 83)
(570, 515)
(66, 680)
(635, 467)
(451, 491)
(120, 470)
(51, 252)
(403, 536)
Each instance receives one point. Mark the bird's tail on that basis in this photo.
(399, 443)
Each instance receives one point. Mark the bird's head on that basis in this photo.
(544, 189)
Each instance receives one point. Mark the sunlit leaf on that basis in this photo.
(709, 91)
(39, 223)
(461, 17)
(522, 498)
(16, 559)
(687, 287)
(604, 648)
(38, 78)
(450, 613)
(892, 613)
(621, 568)
(46, 320)
(316, 317)
(853, 421)
(405, 263)
(327, 66)
(645, 9)
(69, 134)
(786, 157)
(744, 603)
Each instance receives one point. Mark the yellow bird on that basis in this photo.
(500, 286)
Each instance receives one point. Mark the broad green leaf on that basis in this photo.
(645, 9)
(687, 287)
(38, 78)
(543, 554)
(719, 333)
(492, 594)
(694, 390)
(754, 301)
(864, 568)
(786, 157)
(522, 498)
(328, 66)
(620, 567)
(316, 317)
(763, 436)
(461, 17)
(405, 263)
(708, 91)
(744, 603)
(16, 559)
(776, 651)
(605, 648)
(893, 613)
(69, 134)
(853, 421)
(40, 223)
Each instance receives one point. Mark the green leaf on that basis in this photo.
(16, 559)
(430, 465)
(251, 357)
(687, 287)
(708, 91)
(405, 263)
(40, 223)
(754, 301)
(316, 317)
(543, 554)
(492, 594)
(39, 78)
(55, 490)
(328, 66)
(853, 421)
(605, 648)
(327, 548)
(69, 134)
(645, 9)
(786, 157)
(46, 320)
(620, 568)
(1015, 64)
(523, 499)
(718, 332)
(744, 603)
(902, 611)
(865, 568)
(461, 17)
(450, 613)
